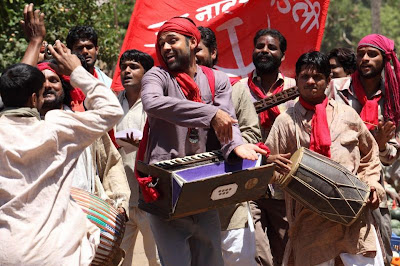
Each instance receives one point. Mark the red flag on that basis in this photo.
(235, 22)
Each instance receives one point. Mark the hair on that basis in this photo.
(142, 58)
(81, 32)
(316, 60)
(346, 57)
(209, 40)
(18, 82)
(273, 33)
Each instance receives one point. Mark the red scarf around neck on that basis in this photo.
(267, 117)
(320, 135)
(369, 112)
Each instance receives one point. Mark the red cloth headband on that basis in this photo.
(47, 65)
(179, 25)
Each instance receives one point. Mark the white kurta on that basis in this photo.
(39, 224)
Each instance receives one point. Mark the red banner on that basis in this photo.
(235, 23)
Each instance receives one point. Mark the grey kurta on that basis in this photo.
(170, 114)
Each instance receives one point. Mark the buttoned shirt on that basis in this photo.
(39, 223)
(342, 91)
(134, 117)
(315, 239)
(170, 115)
(280, 80)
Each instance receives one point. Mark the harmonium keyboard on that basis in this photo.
(195, 184)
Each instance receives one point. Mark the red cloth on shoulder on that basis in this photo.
(369, 112)
(267, 117)
(320, 135)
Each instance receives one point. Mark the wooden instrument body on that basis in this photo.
(196, 187)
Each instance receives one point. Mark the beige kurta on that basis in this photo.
(315, 239)
(235, 216)
(39, 224)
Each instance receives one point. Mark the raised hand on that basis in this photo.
(67, 61)
(35, 31)
(385, 132)
(33, 24)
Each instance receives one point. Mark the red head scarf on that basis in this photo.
(185, 27)
(392, 92)
(76, 93)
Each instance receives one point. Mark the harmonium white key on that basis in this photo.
(200, 182)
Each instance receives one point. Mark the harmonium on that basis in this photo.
(195, 184)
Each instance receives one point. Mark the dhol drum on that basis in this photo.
(107, 218)
(325, 187)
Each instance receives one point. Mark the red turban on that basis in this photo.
(76, 94)
(392, 78)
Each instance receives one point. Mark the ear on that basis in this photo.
(214, 54)
(97, 50)
(328, 80)
(193, 43)
(283, 58)
(32, 101)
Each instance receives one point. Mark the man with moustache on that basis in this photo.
(377, 100)
(181, 111)
(237, 229)
(99, 167)
(133, 65)
(269, 213)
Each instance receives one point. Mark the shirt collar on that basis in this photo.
(380, 91)
(257, 79)
(303, 111)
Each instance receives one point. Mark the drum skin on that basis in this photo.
(105, 217)
(325, 187)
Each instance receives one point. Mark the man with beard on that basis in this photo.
(181, 111)
(237, 229)
(377, 100)
(269, 213)
(99, 169)
(134, 64)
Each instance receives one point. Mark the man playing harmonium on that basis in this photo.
(181, 109)
(336, 131)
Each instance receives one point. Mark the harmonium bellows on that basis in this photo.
(194, 184)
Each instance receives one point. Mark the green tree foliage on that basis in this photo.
(109, 18)
(350, 20)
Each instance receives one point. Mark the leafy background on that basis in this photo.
(347, 22)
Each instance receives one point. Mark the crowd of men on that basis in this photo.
(60, 118)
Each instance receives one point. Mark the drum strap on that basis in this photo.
(296, 130)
